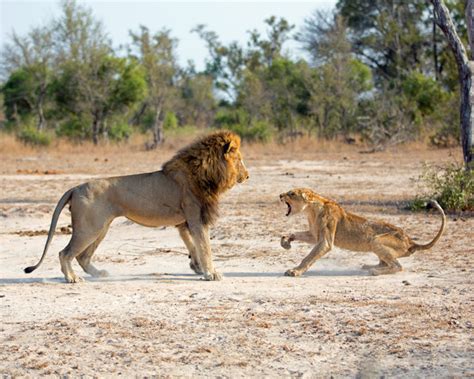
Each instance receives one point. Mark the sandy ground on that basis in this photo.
(154, 317)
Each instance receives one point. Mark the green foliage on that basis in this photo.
(452, 186)
(423, 91)
(259, 131)
(18, 94)
(170, 121)
(75, 128)
(238, 121)
(226, 117)
(120, 131)
(382, 69)
(31, 136)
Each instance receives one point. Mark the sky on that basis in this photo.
(229, 19)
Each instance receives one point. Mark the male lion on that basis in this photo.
(184, 194)
(330, 225)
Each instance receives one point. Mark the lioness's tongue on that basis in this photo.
(289, 209)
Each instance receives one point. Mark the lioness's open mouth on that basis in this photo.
(289, 208)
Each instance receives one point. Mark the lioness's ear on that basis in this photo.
(303, 195)
(229, 147)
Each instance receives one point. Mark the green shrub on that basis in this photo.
(32, 136)
(75, 128)
(120, 131)
(170, 122)
(225, 118)
(259, 131)
(452, 186)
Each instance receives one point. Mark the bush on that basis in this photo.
(452, 186)
(259, 131)
(170, 122)
(75, 128)
(120, 131)
(32, 136)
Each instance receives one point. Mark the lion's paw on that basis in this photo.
(285, 243)
(102, 274)
(213, 276)
(292, 272)
(195, 267)
(74, 279)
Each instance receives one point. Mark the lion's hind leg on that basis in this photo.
(87, 228)
(74, 248)
(85, 257)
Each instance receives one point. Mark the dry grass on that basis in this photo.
(10, 145)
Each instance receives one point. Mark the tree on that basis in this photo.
(109, 86)
(389, 36)
(92, 83)
(29, 62)
(229, 64)
(465, 69)
(337, 79)
(156, 53)
(196, 103)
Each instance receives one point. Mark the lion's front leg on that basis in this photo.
(188, 241)
(200, 235)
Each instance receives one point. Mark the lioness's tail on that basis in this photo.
(429, 245)
(57, 211)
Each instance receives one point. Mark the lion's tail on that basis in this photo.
(57, 211)
(415, 246)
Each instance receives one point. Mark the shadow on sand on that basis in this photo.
(180, 277)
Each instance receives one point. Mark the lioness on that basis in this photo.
(330, 224)
(184, 194)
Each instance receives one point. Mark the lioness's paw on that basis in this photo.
(214, 276)
(292, 272)
(285, 243)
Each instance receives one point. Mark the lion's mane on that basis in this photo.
(203, 168)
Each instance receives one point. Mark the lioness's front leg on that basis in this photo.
(316, 253)
(305, 236)
(325, 244)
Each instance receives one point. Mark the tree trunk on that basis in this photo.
(444, 21)
(157, 129)
(39, 110)
(41, 119)
(95, 130)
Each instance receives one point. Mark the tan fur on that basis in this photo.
(185, 194)
(330, 224)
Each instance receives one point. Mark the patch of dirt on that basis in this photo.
(64, 230)
(154, 317)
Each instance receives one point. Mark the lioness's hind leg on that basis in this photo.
(388, 256)
(85, 257)
(379, 265)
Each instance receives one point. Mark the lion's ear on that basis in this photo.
(304, 196)
(230, 147)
